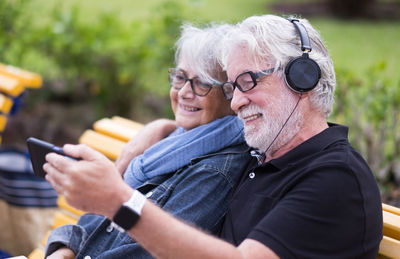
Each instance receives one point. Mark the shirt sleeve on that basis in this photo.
(70, 236)
(301, 223)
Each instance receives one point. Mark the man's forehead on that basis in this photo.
(238, 62)
(242, 60)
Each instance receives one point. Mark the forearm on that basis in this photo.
(68, 236)
(166, 237)
(148, 136)
(62, 253)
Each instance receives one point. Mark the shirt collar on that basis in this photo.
(315, 144)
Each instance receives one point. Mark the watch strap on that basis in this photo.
(130, 211)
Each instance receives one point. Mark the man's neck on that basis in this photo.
(311, 128)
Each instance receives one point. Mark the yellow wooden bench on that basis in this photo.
(13, 82)
(390, 244)
(110, 134)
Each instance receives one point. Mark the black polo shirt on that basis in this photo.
(319, 200)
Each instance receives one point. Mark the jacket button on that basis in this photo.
(109, 229)
(87, 257)
(252, 175)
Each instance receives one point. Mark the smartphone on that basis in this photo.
(38, 149)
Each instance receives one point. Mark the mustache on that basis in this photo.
(250, 110)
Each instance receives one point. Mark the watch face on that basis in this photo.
(126, 217)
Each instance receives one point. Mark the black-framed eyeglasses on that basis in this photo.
(244, 82)
(177, 79)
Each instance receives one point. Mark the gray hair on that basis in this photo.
(200, 47)
(273, 40)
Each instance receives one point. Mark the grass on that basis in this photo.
(358, 45)
(354, 45)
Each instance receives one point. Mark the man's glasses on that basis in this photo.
(177, 79)
(244, 82)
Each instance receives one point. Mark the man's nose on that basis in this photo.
(239, 100)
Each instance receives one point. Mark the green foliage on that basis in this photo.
(111, 63)
(14, 22)
(371, 107)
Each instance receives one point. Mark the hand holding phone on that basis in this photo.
(38, 149)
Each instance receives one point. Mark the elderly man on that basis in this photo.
(308, 194)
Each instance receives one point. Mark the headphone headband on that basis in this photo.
(302, 73)
(305, 40)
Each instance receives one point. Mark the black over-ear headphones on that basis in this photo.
(302, 73)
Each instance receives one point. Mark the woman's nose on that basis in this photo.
(186, 91)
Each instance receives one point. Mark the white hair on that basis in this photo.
(200, 47)
(274, 41)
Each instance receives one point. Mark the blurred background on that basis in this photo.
(101, 58)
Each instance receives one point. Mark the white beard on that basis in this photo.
(261, 135)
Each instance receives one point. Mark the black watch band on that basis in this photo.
(130, 211)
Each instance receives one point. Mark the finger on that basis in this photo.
(54, 177)
(59, 162)
(82, 151)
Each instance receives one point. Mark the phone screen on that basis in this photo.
(38, 149)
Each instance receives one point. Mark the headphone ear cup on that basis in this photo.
(302, 74)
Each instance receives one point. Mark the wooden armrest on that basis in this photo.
(11, 86)
(109, 146)
(28, 79)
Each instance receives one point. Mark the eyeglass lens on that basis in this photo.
(244, 82)
(178, 79)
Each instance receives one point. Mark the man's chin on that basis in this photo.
(252, 140)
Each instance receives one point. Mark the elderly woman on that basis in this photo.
(190, 173)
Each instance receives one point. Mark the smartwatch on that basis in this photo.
(130, 211)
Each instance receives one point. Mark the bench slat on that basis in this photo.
(11, 86)
(127, 122)
(5, 104)
(36, 254)
(391, 209)
(390, 247)
(63, 204)
(28, 79)
(61, 219)
(114, 129)
(109, 146)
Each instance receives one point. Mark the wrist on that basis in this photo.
(129, 212)
(121, 196)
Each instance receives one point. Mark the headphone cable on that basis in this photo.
(284, 124)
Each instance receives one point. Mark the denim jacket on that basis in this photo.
(197, 193)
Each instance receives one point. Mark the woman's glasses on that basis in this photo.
(177, 79)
